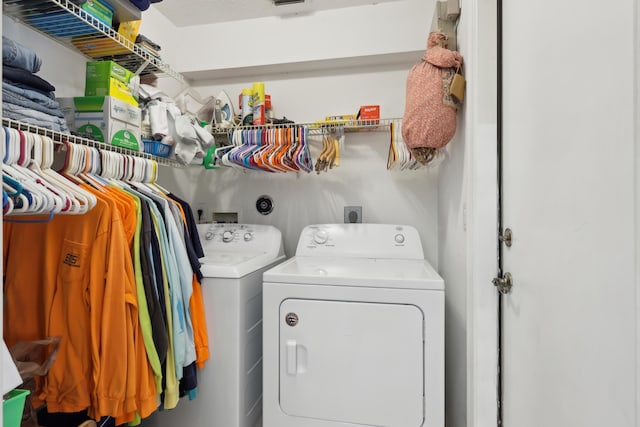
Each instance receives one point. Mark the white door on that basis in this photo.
(569, 179)
(352, 362)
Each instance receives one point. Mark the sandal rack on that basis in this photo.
(59, 137)
(69, 25)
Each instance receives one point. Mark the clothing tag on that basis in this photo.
(456, 90)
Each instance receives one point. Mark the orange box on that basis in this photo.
(369, 112)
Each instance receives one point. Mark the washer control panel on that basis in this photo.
(230, 237)
(360, 240)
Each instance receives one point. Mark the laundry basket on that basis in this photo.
(12, 408)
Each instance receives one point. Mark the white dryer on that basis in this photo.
(354, 331)
(230, 385)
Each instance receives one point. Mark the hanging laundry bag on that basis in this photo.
(429, 120)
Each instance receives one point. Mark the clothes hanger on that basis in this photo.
(88, 175)
(261, 157)
(238, 139)
(66, 178)
(7, 204)
(42, 163)
(278, 155)
(154, 177)
(286, 152)
(393, 150)
(62, 200)
(34, 197)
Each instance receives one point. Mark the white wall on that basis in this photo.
(63, 68)
(344, 33)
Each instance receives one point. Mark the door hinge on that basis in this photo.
(504, 283)
(506, 237)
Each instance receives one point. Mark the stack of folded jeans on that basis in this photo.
(27, 97)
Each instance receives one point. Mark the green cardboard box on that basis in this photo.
(107, 78)
(101, 10)
(106, 119)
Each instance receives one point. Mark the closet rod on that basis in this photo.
(59, 137)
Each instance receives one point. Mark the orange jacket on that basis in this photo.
(72, 277)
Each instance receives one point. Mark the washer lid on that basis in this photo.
(235, 264)
(364, 272)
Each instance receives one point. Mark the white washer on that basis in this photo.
(230, 385)
(354, 331)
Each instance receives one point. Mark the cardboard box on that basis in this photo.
(106, 119)
(107, 78)
(101, 10)
(369, 112)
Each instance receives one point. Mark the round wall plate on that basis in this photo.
(264, 205)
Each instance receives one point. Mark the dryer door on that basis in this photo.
(352, 362)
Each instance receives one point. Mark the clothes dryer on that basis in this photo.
(230, 384)
(354, 331)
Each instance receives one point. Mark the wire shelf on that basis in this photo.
(59, 137)
(68, 24)
(317, 128)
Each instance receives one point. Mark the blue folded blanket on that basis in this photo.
(26, 77)
(20, 56)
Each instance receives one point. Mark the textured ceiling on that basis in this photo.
(197, 12)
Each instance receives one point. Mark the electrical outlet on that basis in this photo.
(352, 214)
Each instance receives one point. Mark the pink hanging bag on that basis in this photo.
(429, 120)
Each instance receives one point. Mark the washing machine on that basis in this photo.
(230, 384)
(353, 330)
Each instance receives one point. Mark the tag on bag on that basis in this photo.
(456, 90)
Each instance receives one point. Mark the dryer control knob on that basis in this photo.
(399, 238)
(248, 237)
(209, 235)
(320, 237)
(227, 236)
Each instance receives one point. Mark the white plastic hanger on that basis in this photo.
(39, 199)
(74, 163)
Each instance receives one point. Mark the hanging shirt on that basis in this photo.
(141, 380)
(143, 308)
(72, 278)
(178, 336)
(181, 293)
(196, 305)
(170, 383)
(158, 323)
